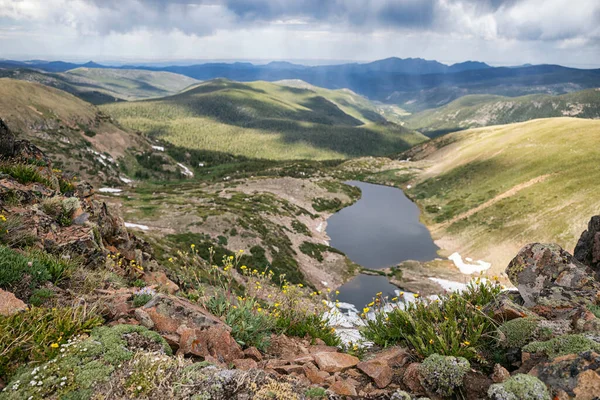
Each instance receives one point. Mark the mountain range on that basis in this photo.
(413, 83)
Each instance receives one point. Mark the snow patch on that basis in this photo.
(185, 170)
(125, 180)
(320, 227)
(467, 269)
(159, 148)
(450, 286)
(137, 226)
(109, 190)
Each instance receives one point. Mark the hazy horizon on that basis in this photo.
(497, 32)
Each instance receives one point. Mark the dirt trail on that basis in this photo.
(511, 192)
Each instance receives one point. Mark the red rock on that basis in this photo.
(303, 359)
(274, 363)
(378, 370)
(394, 357)
(161, 280)
(214, 341)
(335, 362)
(500, 374)
(412, 379)
(289, 369)
(245, 364)
(253, 353)
(322, 349)
(168, 313)
(315, 376)
(343, 388)
(9, 304)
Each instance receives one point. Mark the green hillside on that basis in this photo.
(267, 120)
(131, 84)
(75, 134)
(100, 86)
(486, 192)
(486, 110)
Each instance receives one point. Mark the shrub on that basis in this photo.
(519, 387)
(315, 393)
(322, 204)
(443, 374)
(36, 334)
(14, 233)
(24, 173)
(40, 297)
(313, 325)
(61, 210)
(251, 325)
(17, 269)
(143, 296)
(454, 325)
(60, 267)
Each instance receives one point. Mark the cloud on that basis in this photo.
(342, 29)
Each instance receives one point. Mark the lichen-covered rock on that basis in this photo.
(564, 345)
(521, 331)
(587, 250)
(505, 308)
(443, 374)
(546, 271)
(500, 374)
(519, 387)
(577, 375)
(400, 395)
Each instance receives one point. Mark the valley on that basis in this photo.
(264, 225)
(266, 120)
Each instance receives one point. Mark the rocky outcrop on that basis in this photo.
(7, 141)
(587, 250)
(548, 276)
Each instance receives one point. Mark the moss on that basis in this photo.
(273, 390)
(563, 345)
(83, 364)
(518, 332)
(444, 374)
(519, 387)
(316, 393)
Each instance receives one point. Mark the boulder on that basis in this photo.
(412, 379)
(169, 313)
(378, 370)
(315, 376)
(215, 342)
(9, 304)
(244, 364)
(587, 250)
(343, 388)
(161, 280)
(253, 353)
(578, 375)
(7, 141)
(505, 308)
(546, 272)
(335, 362)
(393, 357)
(500, 374)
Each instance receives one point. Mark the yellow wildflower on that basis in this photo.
(54, 345)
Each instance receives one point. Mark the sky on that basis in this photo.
(500, 32)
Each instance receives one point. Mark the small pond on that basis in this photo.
(381, 230)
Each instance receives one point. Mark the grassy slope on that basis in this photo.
(486, 110)
(555, 163)
(65, 126)
(267, 120)
(131, 84)
(101, 86)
